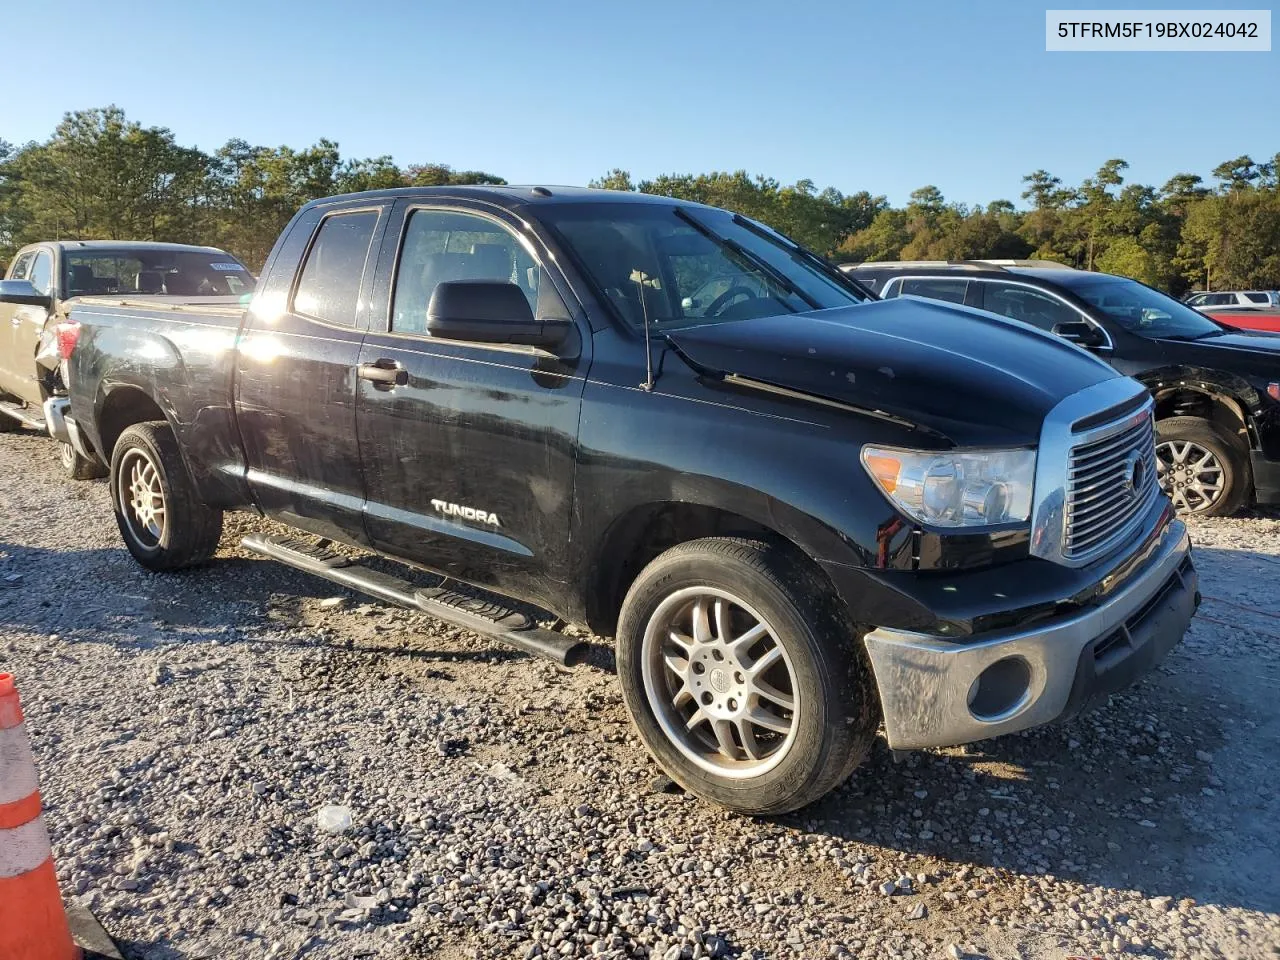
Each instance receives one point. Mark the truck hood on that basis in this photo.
(976, 378)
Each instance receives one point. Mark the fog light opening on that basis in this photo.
(1001, 690)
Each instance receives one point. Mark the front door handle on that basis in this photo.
(384, 371)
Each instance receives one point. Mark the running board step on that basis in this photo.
(23, 415)
(488, 616)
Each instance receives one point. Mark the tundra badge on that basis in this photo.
(466, 513)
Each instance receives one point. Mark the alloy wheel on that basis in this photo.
(142, 498)
(1190, 474)
(720, 683)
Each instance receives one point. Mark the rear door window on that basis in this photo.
(1257, 297)
(329, 286)
(935, 288)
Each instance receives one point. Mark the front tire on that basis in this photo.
(743, 675)
(1202, 470)
(163, 522)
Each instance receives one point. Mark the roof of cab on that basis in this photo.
(509, 196)
(72, 245)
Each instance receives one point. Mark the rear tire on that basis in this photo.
(163, 522)
(1202, 469)
(77, 467)
(761, 726)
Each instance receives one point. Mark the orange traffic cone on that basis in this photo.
(33, 924)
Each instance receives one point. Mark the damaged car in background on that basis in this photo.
(34, 296)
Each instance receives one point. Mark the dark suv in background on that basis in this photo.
(1216, 388)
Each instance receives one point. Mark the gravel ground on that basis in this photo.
(189, 728)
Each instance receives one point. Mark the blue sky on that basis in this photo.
(860, 94)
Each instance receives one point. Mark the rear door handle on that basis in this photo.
(385, 371)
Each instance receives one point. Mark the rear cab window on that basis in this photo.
(156, 272)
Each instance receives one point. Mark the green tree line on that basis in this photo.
(102, 175)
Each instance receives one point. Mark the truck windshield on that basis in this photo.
(159, 272)
(1146, 312)
(682, 266)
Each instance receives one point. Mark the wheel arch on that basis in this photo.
(119, 407)
(647, 530)
(1224, 400)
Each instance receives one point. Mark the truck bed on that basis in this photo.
(205, 306)
(174, 352)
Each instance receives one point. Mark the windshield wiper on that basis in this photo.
(752, 260)
(803, 255)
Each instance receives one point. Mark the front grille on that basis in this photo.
(1111, 481)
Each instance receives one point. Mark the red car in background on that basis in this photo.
(1245, 318)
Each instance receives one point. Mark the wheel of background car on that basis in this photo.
(743, 676)
(164, 523)
(78, 467)
(1203, 472)
(722, 301)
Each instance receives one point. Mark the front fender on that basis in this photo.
(1260, 417)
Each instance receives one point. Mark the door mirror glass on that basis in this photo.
(22, 292)
(1080, 333)
(489, 311)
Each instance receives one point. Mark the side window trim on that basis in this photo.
(362, 304)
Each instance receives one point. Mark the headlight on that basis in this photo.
(973, 488)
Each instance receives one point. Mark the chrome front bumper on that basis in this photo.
(930, 689)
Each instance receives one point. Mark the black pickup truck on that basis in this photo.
(798, 509)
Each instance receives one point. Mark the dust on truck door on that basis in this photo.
(295, 378)
(468, 448)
